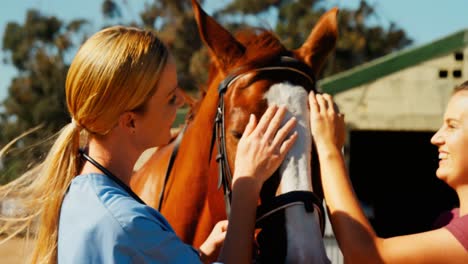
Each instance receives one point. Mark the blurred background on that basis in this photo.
(391, 73)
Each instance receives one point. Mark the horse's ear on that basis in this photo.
(223, 46)
(321, 41)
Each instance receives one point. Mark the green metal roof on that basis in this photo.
(393, 62)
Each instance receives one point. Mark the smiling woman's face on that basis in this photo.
(452, 141)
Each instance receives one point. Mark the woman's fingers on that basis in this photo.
(275, 134)
(327, 123)
(323, 105)
(287, 144)
(260, 152)
(313, 104)
(250, 126)
(332, 108)
(329, 103)
(275, 124)
(222, 225)
(265, 120)
(283, 132)
(269, 127)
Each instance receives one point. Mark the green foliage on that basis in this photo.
(37, 49)
(176, 27)
(110, 9)
(249, 7)
(357, 43)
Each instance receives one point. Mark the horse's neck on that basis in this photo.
(199, 132)
(192, 188)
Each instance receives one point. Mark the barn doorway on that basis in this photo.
(393, 174)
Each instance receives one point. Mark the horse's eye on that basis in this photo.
(236, 134)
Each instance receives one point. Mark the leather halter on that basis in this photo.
(309, 199)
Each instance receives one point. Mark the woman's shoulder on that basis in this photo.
(459, 228)
(115, 201)
(101, 223)
(128, 222)
(445, 218)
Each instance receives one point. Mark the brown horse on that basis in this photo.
(247, 74)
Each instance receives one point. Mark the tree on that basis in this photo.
(37, 49)
(173, 21)
(357, 43)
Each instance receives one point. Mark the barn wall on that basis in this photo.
(412, 99)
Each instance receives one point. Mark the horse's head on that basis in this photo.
(250, 72)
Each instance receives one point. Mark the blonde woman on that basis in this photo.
(122, 95)
(356, 237)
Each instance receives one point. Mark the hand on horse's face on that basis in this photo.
(263, 146)
(326, 122)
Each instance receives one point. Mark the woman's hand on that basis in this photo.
(326, 122)
(210, 249)
(263, 146)
(260, 151)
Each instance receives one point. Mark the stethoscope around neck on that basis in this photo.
(109, 174)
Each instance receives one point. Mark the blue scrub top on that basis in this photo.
(101, 223)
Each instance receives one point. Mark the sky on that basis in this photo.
(423, 20)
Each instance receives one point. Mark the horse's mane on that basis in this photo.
(262, 47)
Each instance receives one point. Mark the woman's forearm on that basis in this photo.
(238, 245)
(354, 233)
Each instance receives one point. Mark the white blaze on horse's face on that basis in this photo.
(295, 169)
(304, 237)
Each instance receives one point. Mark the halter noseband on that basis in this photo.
(309, 199)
